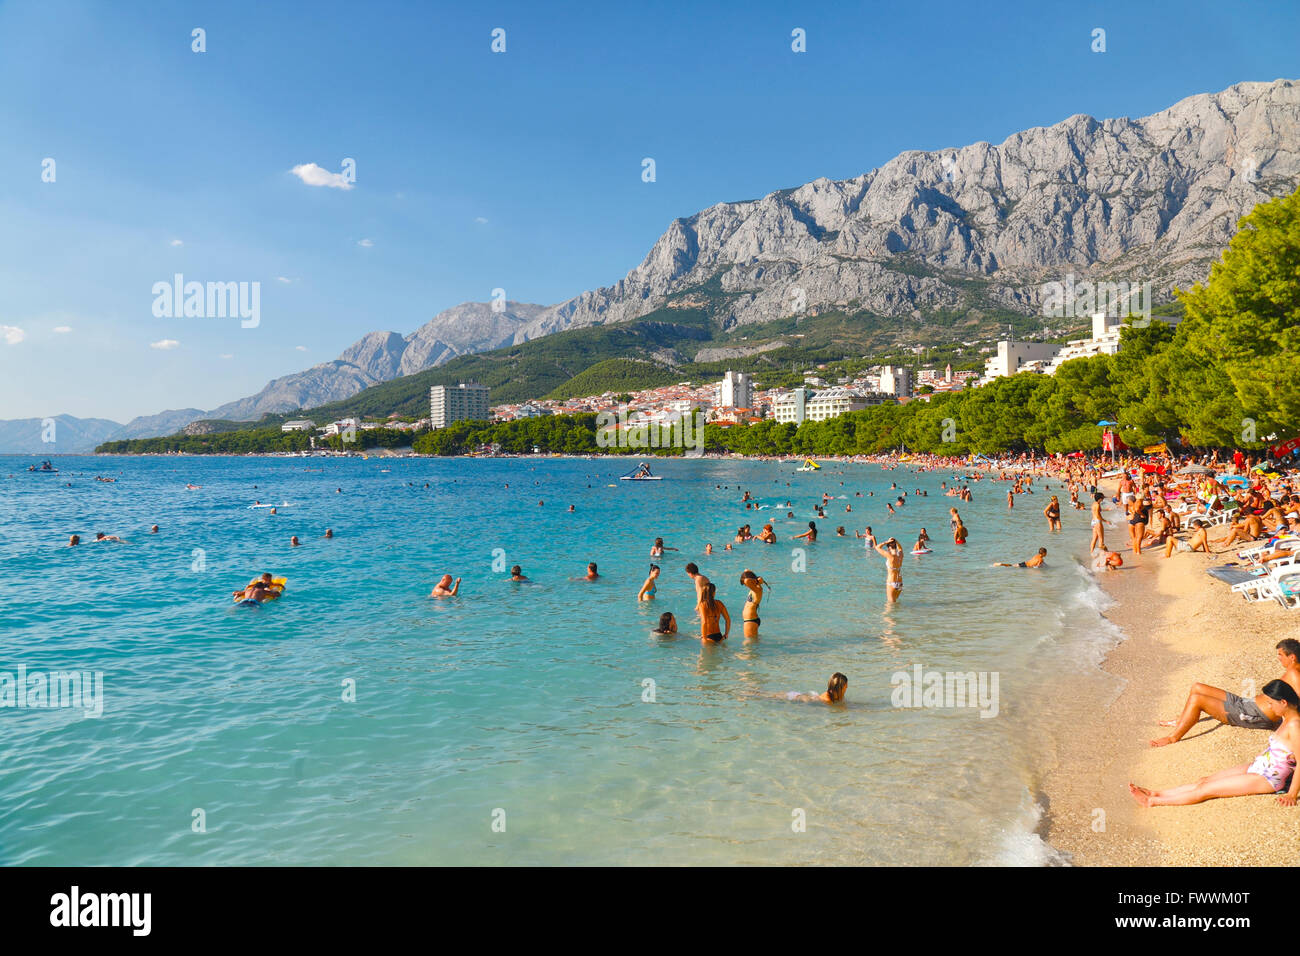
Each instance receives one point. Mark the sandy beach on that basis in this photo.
(1181, 627)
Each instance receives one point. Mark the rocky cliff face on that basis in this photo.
(1153, 199)
(462, 329)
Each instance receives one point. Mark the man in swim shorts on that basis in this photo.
(701, 582)
(1035, 562)
(1262, 713)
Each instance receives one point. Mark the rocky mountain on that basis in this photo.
(1153, 199)
(71, 436)
(462, 329)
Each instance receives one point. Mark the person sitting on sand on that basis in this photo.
(444, 588)
(1243, 528)
(647, 592)
(1273, 771)
(667, 624)
(1199, 540)
(1035, 562)
(1226, 707)
(1107, 561)
(711, 609)
(517, 574)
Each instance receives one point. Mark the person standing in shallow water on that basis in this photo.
(1053, 514)
(892, 552)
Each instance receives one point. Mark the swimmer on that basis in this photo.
(74, 541)
(1035, 562)
(834, 693)
(647, 592)
(517, 574)
(293, 541)
(571, 509)
(711, 609)
(329, 532)
(444, 588)
(810, 534)
(667, 624)
(839, 532)
(708, 549)
(100, 537)
(153, 530)
(591, 574)
(870, 536)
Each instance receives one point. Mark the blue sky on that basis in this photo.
(477, 170)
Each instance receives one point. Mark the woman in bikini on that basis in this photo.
(810, 534)
(647, 592)
(1053, 514)
(711, 609)
(1271, 772)
(1138, 512)
(749, 618)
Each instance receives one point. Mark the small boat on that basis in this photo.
(640, 473)
(45, 469)
(809, 465)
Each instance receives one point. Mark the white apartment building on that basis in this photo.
(298, 425)
(467, 401)
(833, 402)
(896, 380)
(791, 407)
(1012, 356)
(736, 391)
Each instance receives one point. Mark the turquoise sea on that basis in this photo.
(513, 724)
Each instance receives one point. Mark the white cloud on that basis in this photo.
(12, 334)
(63, 329)
(314, 175)
(227, 355)
(285, 279)
(481, 220)
(165, 344)
(366, 243)
(301, 348)
(178, 242)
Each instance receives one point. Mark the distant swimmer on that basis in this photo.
(74, 541)
(517, 574)
(810, 534)
(708, 549)
(444, 588)
(329, 532)
(293, 541)
(571, 509)
(767, 535)
(101, 537)
(667, 624)
(153, 530)
(711, 610)
(591, 574)
(1035, 562)
(839, 531)
(273, 511)
(657, 549)
(193, 487)
(749, 618)
(647, 592)
(892, 552)
(871, 538)
(959, 535)
(834, 693)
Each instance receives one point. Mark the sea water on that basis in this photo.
(359, 721)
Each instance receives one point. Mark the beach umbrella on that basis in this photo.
(1195, 470)
(1103, 423)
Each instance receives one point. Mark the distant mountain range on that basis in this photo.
(974, 230)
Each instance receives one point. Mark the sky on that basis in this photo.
(474, 170)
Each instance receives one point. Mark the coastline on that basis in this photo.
(1180, 627)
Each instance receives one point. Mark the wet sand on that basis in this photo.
(1181, 626)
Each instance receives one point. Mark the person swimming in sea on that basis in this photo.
(517, 574)
(657, 549)
(834, 693)
(647, 592)
(810, 534)
(667, 624)
(1035, 562)
(100, 538)
(444, 588)
(591, 574)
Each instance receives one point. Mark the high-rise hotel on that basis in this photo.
(467, 401)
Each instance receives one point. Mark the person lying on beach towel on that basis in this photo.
(1273, 771)
(1262, 713)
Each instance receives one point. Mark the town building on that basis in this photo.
(896, 380)
(298, 425)
(467, 401)
(736, 391)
